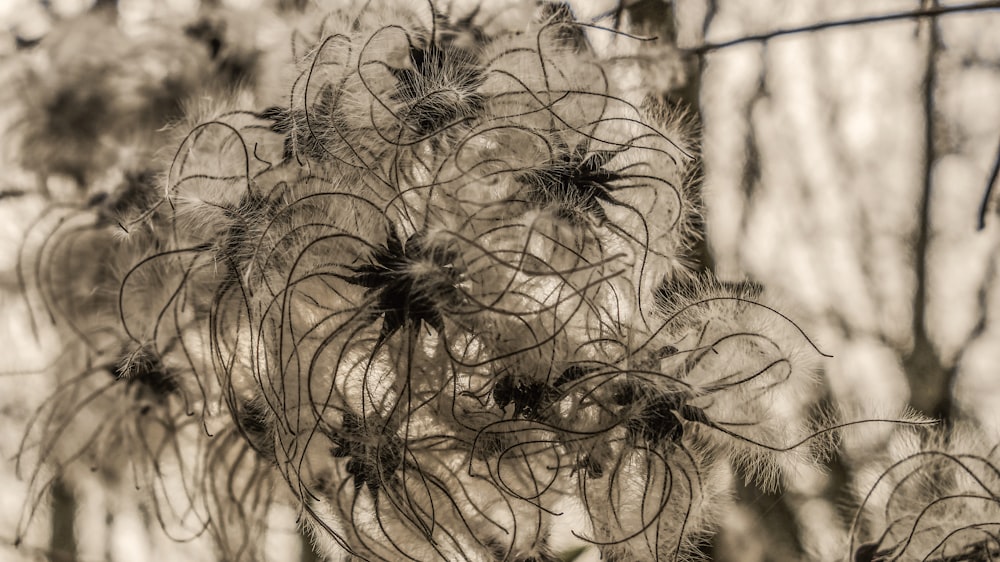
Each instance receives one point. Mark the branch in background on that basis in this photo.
(922, 13)
(713, 8)
(930, 380)
(63, 541)
(984, 208)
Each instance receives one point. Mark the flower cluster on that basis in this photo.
(440, 292)
(936, 498)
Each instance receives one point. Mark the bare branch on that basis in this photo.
(984, 208)
(912, 14)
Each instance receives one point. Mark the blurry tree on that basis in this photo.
(848, 150)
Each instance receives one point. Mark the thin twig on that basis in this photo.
(922, 13)
(984, 207)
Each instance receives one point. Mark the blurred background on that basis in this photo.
(847, 169)
(849, 150)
